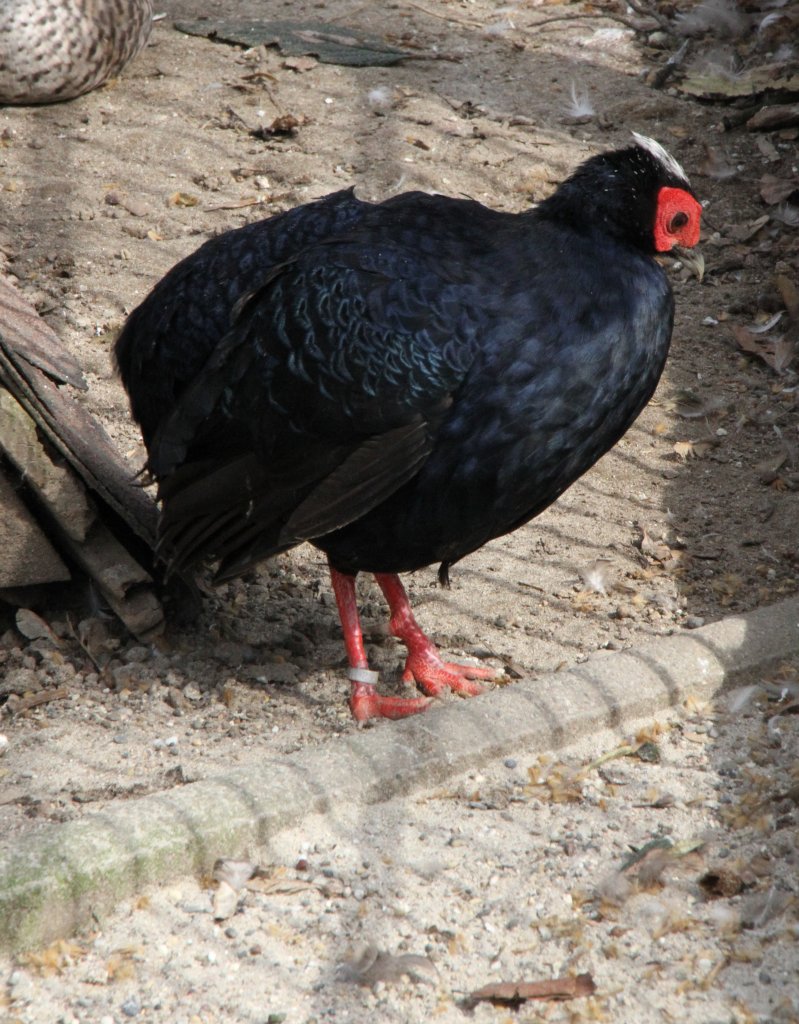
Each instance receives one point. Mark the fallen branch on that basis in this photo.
(21, 704)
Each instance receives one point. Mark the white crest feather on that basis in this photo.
(660, 154)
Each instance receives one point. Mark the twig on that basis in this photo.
(26, 703)
(444, 17)
(738, 117)
(671, 65)
(84, 647)
(634, 25)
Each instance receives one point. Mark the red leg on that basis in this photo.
(424, 664)
(365, 701)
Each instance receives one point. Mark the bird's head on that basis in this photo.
(639, 194)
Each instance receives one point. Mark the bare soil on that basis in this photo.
(692, 517)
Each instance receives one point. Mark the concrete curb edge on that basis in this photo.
(64, 876)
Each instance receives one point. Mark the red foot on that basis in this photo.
(366, 703)
(426, 667)
(424, 664)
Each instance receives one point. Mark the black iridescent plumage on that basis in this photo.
(398, 382)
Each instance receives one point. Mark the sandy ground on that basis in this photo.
(691, 517)
(663, 868)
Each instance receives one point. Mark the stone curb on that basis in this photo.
(64, 876)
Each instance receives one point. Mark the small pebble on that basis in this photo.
(195, 908)
(131, 1007)
(510, 762)
(21, 988)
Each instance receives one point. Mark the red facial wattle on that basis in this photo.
(677, 219)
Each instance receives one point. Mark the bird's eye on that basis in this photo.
(679, 220)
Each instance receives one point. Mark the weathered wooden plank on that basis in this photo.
(27, 558)
(30, 337)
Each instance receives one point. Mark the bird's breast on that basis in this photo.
(550, 391)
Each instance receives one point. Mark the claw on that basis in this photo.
(366, 703)
(424, 664)
(425, 667)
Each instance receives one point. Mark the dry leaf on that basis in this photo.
(285, 124)
(93, 636)
(685, 450)
(657, 550)
(775, 352)
(664, 801)
(183, 199)
(55, 958)
(121, 965)
(775, 190)
(790, 295)
(513, 993)
(744, 232)
(34, 627)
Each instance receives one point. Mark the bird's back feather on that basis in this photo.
(397, 382)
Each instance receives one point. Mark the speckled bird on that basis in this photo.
(53, 50)
(398, 383)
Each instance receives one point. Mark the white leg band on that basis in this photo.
(363, 675)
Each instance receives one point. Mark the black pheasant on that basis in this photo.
(401, 382)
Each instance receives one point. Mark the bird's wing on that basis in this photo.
(321, 401)
(167, 340)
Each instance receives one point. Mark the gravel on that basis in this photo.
(397, 912)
